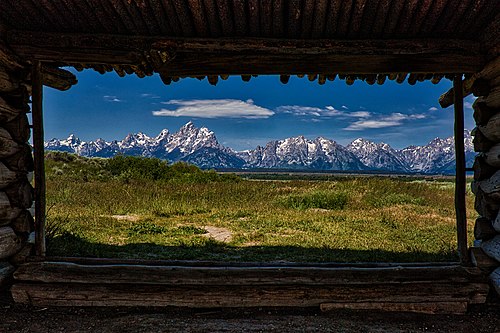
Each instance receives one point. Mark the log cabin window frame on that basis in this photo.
(39, 164)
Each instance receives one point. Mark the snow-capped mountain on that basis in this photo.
(378, 156)
(301, 153)
(199, 146)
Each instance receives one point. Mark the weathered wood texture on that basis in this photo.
(486, 206)
(10, 243)
(476, 84)
(487, 201)
(492, 248)
(424, 307)
(8, 146)
(18, 128)
(492, 128)
(482, 112)
(481, 142)
(483, 229)
(9, 59)
(6, 82)
(199, 296)
(492, 100)
(496, 223)
(482, 260)
(495, 280)
(8, 177)
(52, 272)
(253, 56)
(39, 158)
(23, 223)
(7, 211)
(58, 78)
(6, 271)
(8, 112)
(460, 177)
(22, 161)
(23, 255)
(20, 194)
(64, 283)
(492, 156)
(482, 170)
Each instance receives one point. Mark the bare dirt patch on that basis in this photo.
(218, 234)
(131, 218)
(19, 319)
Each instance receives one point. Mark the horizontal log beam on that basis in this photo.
(193, 64)
(209, 296)
(270, 56)
(492, 248)
(491, 129)
(10, 243)
(424, 307)
(52, 272)
(482, 260)
(58, 78)
(7, 211)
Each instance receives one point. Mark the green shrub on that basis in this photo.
(146, 228)
(318, 199)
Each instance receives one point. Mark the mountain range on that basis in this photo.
(199, 146)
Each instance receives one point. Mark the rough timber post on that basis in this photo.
(460, 181)
(37, 101)
(486, 184)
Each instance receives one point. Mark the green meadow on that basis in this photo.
(129, 207)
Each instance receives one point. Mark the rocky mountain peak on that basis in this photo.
(200, 146)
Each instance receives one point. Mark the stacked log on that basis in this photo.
(16, 162)
(486, 184)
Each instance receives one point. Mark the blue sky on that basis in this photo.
(246, 114)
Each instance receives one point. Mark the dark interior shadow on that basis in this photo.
(74, 246)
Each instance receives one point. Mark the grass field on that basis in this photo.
(101, 212)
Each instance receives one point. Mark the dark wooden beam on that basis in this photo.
(190, 64)
(38, 154)
(65, 272)
(349, 56)
(58, 78)
(460, 180)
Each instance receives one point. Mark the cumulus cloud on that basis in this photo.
(109, 98)
(433, 108)
(327, 111)
(214, 108)
(382, 121)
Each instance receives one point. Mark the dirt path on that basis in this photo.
(16, 318)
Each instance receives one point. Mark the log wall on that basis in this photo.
(486, 184)
(16, 162)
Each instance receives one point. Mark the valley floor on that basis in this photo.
(344, 219)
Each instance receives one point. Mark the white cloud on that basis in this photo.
(344, 107)
(327, 111)
(214, 108)
(147, 95)
(394, 119)
(109, 98)
(433, 108)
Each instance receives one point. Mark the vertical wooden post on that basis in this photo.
(460, 176)
(38, 156)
